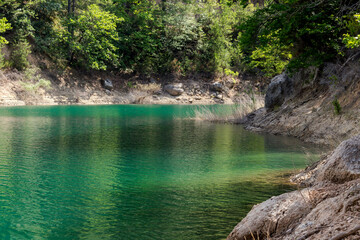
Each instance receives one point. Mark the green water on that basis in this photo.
(132, 172)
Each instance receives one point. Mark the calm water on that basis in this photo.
(132, 172)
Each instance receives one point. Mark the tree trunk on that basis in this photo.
(71, 14)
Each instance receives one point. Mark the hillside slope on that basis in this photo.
(309, 112)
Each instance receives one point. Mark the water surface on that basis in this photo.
(133, 172)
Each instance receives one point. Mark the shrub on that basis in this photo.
(20, 54)
(337, 107)
(34, 81)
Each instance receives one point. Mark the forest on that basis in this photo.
(218, 37)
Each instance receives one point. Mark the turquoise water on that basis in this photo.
(133, 172)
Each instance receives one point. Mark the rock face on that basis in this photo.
(174, 89)
(329, 208)
(107, 84)
(280, 88)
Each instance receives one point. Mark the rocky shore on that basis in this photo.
(319, 106)
(73, 88)
(327, 208)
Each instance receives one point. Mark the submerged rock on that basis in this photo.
(280, 88)
(175, 89)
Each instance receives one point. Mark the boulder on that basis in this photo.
(341, 166)
(280, 88)
(217, 87)
(175, 89)
(107, 84)
(273, 216)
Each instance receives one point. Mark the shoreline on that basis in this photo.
(327, 204)
(330, 199)
(76, 89)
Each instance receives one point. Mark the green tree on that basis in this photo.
(93, 43)
(4, 25)
(310, 30)
(140, 35)
(350, 40)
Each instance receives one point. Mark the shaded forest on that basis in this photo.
(220, 37)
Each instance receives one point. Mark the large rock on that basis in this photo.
(274, 216)
(280, 88)
(107, 84)
(217, 87)
(341, 166)
(175, 89)
(344, 164)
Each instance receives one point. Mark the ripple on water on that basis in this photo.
(125, 172)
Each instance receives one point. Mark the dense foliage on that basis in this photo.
(4, 25)
(180, 37)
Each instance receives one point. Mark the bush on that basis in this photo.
(337, 107)
(34, 81)
(20, 54)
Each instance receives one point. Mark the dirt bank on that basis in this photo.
(72, 87)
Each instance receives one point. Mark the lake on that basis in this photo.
(133, 172)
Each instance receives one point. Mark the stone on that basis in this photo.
(158, 92)
(107, 84)
(178, 98)
(217, 86)
(190, 100)
(341, 166)
(155, 97)
(272, 216)
(175, 89)
(197, 98)
(280, 88)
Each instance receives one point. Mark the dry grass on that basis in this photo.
(233, 115)
(149, 88)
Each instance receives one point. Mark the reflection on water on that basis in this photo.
(132, 172)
